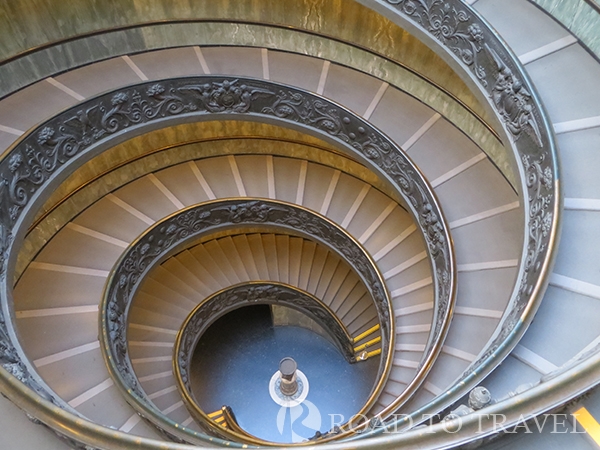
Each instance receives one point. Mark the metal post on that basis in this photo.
(287, 368)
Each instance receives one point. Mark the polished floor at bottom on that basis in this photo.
(238, 355)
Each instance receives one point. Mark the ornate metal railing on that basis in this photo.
(457, 29)
(468, 43)
(181, 229)
(245, 294)
(43, 157)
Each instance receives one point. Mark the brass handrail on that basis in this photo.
(311, 33)
(472, 46)
(254, 293)
(370, 343)
(365, 334)
(225, 300)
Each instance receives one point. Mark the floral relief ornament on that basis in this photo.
(451, 26)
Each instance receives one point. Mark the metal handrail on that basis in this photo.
(469, 43)
(544, 397)
(253, 293)
(537, 288)
(531, 289)
(224, 301)
(594, 4)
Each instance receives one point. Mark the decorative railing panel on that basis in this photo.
(473, 47)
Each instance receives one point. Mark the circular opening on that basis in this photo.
(236, 358)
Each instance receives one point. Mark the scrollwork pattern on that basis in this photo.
(462, 33)
(32, 163)
(12, 363)
(452, 25)
(384, 154)
(68, 135)
(540, 180)
(510, 93)
(513, 101)
(35, 160)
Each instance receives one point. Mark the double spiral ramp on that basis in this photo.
(456, 238)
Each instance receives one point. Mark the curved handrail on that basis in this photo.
(174, 233)
(41, 157)
(256, 293)
(483, 423)
(551, 228)
(232, 422)
(469, 43)
(40, 51)
(237, 296)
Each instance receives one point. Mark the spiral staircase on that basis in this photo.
(470, 263)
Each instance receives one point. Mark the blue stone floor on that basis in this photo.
(238, 355)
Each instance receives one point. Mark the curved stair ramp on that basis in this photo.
(169, 295)
(125, 207)
(150, 210)
(565, 75)
(382, 251)
(474, 215)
